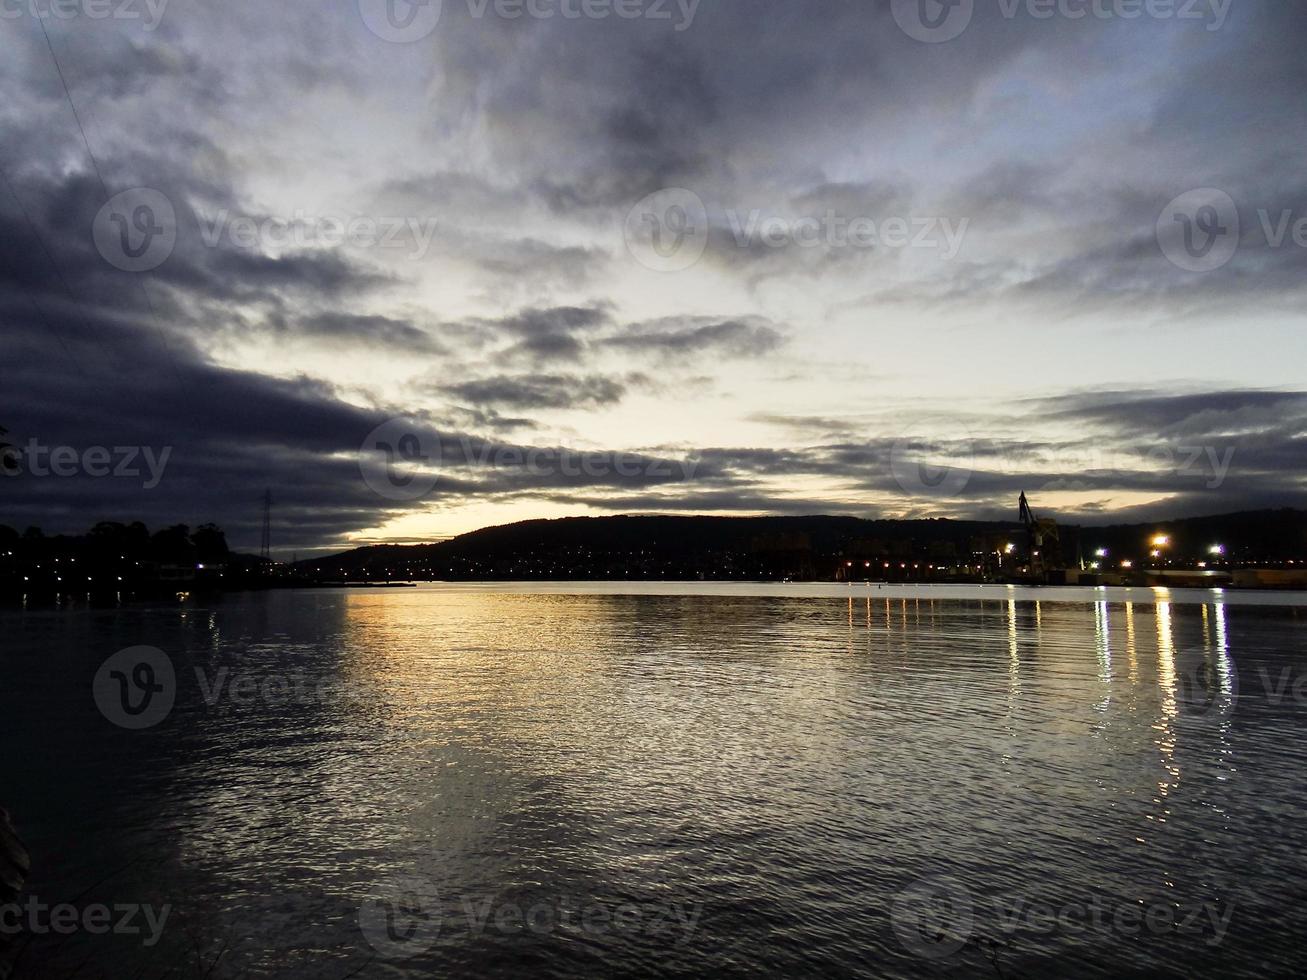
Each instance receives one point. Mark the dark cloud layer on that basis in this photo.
(540, 391)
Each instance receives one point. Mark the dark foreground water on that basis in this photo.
(460, 782)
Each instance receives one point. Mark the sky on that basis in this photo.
(417, 269)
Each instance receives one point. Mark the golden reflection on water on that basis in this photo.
(452, 685)
(1103, 651)
(1131, 653)
(488, 732)
(713, 748)
(1013, 663)
(1166, 661)
(1224, 665)
(1166, 739)
(1014, 660)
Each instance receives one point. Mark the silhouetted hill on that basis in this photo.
(745, 547)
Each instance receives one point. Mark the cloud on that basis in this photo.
(351, 328)
(538, 391)
(681, 338)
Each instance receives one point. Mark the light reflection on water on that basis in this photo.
(784, 766)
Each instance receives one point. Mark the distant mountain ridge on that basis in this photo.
(681, 543)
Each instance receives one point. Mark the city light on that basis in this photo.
(1161, 540)
(1127, 564)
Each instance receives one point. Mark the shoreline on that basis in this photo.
(689, 588)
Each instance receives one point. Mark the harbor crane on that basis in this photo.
(1043, 540)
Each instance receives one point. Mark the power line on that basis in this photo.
(76, 115)
(104, 189)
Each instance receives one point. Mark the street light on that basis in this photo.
(1216, 549)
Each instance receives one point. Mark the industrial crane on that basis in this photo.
(1043, 541)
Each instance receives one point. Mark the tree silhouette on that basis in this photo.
(210, 544)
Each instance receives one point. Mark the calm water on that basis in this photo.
(730, 780)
